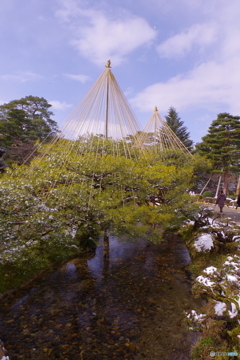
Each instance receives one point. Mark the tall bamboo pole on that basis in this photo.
(205, 185)
(108, 66)
(218, 186)
(226, 175)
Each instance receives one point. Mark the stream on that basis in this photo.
(127, 303)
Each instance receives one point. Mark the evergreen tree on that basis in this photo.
(67, 197)
(175, 123)
(222, 145)
(24, 121)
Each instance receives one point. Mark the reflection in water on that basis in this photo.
(125, 303)
(19, 302)
(71, 270)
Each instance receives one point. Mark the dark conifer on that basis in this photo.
(222, 145)
(176, 124)
(22, 122)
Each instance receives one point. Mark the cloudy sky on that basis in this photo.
(164, 53)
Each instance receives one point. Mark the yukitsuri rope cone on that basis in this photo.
(157, 136)
(104, 111)
(79, 176)
(102, 123)
(95, 174)
(91, 151)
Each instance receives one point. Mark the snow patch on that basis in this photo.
(195, 316)
(205, 281)
(210, 270)
(204, 242)
(231, 278)
(194, 320)
(233, 312)
(219, 308)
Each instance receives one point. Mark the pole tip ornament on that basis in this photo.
(108, 64)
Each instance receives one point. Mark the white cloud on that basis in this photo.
(128, 91)
(68, 10)
(212, 84)
(198, 35)
(105, 39)
(99, 37)
(59, 105)
(208, 86)
(21, 76)
(79, 77)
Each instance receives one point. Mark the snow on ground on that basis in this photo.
(3, 351)
(195, 316)
(210, 220)
(219, 308)
(194, 320)
(232, 265)
(210, 270)
(205, 281)
(225, 278)
(189, 222)
(204, 242)
(231, 278)
(233, 312)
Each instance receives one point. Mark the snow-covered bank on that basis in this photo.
(3, 352)
(214, 245)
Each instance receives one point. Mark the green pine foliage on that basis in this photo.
(22, 123)
(177, 126)
(222, 143)
(62, 203)
(222, 146)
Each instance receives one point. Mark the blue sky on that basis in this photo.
(179, 53)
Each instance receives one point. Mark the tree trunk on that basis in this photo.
(238, 186)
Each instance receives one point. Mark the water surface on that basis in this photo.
(125, 303)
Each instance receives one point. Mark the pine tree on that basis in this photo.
(22, 123)
(222, 145)
(175, 123)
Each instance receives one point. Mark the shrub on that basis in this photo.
(207, 194)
